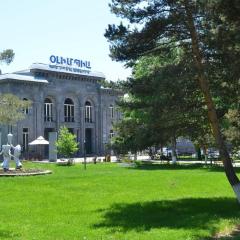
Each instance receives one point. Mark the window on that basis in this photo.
(88, 112)
(25, 139)
(68, 110)
(25, 110)
(111, 108)
(111, 135)
(48, 110)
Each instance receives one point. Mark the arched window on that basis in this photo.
(88, 112)
(25, 110)
(48, 110)
(111, 108)
(68, 110)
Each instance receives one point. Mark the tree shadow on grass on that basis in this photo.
(213, 168)
(190, 213)
(147, 166)
(8, 235)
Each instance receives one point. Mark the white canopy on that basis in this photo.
(39, 141)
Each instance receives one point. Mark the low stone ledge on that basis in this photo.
(23, 172)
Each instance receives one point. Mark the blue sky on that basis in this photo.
(36, 29)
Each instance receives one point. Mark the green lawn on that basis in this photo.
(112, 202)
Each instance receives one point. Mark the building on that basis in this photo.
(62, 95)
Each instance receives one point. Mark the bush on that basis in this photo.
(66, 143)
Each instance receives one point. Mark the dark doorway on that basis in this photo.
(71, 130)
(88, 137)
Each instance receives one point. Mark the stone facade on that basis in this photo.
(62, 98)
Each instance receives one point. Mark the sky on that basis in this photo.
(37, 29)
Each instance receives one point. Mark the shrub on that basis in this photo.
(66, 143)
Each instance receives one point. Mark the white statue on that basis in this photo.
(16, 155)
(6, 152)
(9, 137)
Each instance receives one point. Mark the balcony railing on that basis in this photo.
(88, 120)
(69, 119)
(48, 119)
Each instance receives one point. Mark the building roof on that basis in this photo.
(21, 77)
(29, 76)
(67, 69)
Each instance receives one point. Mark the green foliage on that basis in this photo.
(7, 56)
(163, 103)
(156, 38)
(12, 109)
(66, 143)
(131, 136)
(158, 27)
(232, 131)
(109, 84)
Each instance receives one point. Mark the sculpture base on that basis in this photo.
(12, 172)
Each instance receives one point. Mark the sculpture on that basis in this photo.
(16, 155)
(9, 137)
(6, 152)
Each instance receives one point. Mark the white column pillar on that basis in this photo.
(52, 147)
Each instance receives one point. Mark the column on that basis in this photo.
(39, 119)
(82, 130)
(52, 147)
(58, 109)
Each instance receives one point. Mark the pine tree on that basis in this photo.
(196, 27)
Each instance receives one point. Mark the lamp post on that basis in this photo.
(84, 153)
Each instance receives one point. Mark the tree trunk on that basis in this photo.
(204, 85)
(161, 147)
(135, 156)
(205, 154)
(199, 154)
(174, 155)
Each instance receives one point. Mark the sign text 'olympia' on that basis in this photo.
(70, 62)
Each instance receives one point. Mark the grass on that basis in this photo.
(111, 202)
